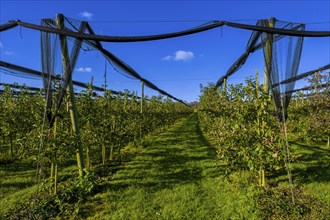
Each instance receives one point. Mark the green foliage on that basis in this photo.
(276, 203)
(107, 123)
(242, 124)
(67, 202)
(175, 175)
(19, 120)
(310, 116)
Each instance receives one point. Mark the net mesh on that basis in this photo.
(255, 43)
(49, 50)
(15, 70)
(282, 60)
(272, 45)
(81, 36)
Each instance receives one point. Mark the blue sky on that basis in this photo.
(177, 65)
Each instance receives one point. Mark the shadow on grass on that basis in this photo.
(181, 155)
(18, 185)
(21, 174)
(18, 166)
(312, 164)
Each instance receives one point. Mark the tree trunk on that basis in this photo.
(11, 145)
(88, 162)
(103, 154)
(111, 152)
(55, 173)
(262, 181)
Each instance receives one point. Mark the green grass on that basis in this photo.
(311, 170)
(177, 176)
(18, 179)
(16, 182)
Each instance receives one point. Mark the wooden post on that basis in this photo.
(316, 81)
(56, 173)
(268, 57)
(105, 75)
(54, 159)
(257, 80)
(87, 162)
(11, 145)
(71, 101)
(225, 85)
(125, 102)
(141, 110)
(142, 96)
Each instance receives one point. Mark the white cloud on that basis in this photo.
(169, 57)
(9, 53)
(183, 55)
(85, 69)
(86, 14)
(1, 45)
(180, 55)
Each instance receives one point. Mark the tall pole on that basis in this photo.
(71, 100)
(141, 110)
(316, 81)
(268, 56)
(267, 72)
(257, 83)
(105, 75)
(225, 85)
(142, 96)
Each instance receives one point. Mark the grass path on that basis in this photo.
(177, 176)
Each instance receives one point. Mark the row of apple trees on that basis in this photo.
(242, 121)
(309, 111)
(107, 123)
